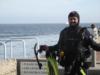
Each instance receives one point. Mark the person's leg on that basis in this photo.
(70, 70)
(67, 71)
(78, 70)
(75, 70)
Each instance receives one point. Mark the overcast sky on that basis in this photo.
(48, 11)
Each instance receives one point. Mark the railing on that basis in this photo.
(11, 42)
(4, 49)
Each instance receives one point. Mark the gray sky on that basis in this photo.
(47, 11)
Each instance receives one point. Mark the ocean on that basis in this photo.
(17, 40)
(29, 29)
(8, 30)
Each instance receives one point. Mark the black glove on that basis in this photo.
(44, 47)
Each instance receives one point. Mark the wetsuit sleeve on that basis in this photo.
(89, 41)
(57, 46)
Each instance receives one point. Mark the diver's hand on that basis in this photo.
(44, 47)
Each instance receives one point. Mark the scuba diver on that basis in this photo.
(73, 46)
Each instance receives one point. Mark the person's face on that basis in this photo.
(92, 26)
(73, 21)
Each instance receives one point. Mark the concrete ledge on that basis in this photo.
(94, 71)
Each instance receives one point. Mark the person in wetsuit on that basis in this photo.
(75, 42)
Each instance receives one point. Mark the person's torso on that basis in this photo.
(71, 40)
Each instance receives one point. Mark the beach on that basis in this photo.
(8, 67)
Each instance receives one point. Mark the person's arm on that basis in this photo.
(54, 47)
(89, 41)
(57, 46)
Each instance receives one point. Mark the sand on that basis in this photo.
(8, 67)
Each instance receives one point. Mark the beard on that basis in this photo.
(74, 24)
